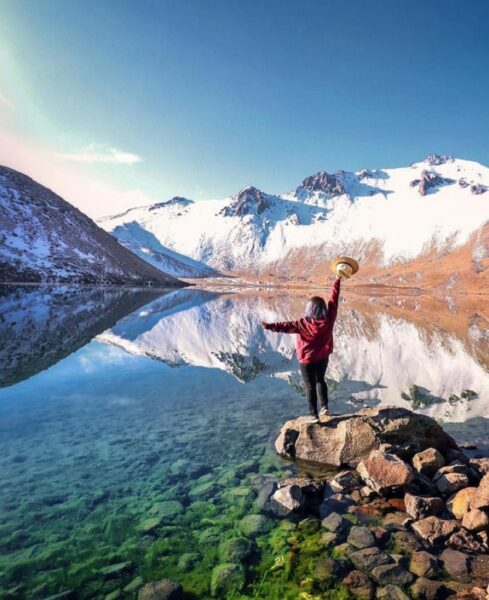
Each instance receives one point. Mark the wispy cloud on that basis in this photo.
(97, 153)
(6, 102)
(94, 196)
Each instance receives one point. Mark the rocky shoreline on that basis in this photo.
(409, 517)
(384, 505)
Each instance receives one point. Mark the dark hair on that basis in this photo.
(316, 308)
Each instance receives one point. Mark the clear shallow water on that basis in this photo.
(138, 454)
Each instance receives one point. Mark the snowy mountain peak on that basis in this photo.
(332, 184)
(250, 201)
(175, 201)
(434, 160)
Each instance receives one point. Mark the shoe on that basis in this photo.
(324, 412)
(312, 419)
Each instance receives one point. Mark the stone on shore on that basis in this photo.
(423, 564)
(335, 523)
(428, 589)
(451, 482)
(428, 462)
(476, 520)
(289, 498)
(359, 585)
(456, 564)
(385, 473)
(165, 589)
(369, 558)
(391, 592)
(349, 439)
(361, 537)
(392, 574)
(459, 503)
(481, 498)
(481, 465)
(346, 481)
(434, 530)
(419, 507)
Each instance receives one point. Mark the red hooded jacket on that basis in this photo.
(314, 336)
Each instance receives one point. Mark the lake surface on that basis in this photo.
(137, 427)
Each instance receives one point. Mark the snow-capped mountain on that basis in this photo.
(381, 353)
(45, 239)
(387, 218)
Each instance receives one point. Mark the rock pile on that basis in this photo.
(411, 516)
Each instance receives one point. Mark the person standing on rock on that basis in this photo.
(314, 345)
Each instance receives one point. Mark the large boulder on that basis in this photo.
(385, 473)
(349, 439)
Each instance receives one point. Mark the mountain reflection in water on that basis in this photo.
(417, 351)
(420, 352)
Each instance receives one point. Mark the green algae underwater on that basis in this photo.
(119, 470)
(121, 467)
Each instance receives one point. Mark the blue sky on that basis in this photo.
(152, 99)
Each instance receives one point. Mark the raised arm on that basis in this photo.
(283, 326)
(334, 299)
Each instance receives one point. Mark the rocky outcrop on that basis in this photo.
(412, 514)
(349, 439)
(329, 183)
(429, 180)
(250, 201)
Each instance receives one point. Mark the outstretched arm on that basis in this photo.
(334, 298)
(283, 326)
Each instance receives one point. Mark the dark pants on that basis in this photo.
(313, 375)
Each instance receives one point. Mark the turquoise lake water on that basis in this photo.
(136, 430)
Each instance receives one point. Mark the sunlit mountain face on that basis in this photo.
(396, 221)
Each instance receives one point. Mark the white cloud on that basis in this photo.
(6, 102)
(97, 153)
(94, 197)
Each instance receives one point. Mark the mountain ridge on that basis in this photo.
(383, 217)
(44, 239)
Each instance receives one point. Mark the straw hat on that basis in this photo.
(345, 260)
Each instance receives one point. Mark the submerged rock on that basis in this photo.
(235, 549)
(165, 589)
(227, 579)
(349, 439)
(253, 525)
